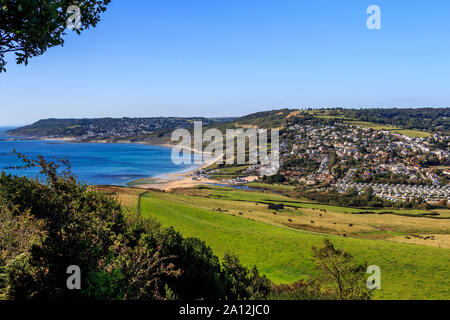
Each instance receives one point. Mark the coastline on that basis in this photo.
(166, 182)
(180, 180)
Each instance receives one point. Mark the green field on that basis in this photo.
(274, 187)
(375, 126)
(413, 133)
(229, 172)
(409, 271)
(228, 193)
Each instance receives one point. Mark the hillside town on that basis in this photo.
(343, 156)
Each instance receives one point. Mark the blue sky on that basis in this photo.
(234, 57)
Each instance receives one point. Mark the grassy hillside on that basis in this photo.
(324, 114)
(234, 221)
(414, 119)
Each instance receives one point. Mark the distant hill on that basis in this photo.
(266, 119)
(158, 129)
(108, 128)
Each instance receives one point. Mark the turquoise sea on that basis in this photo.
(93, 163)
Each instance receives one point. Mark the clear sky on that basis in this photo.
(234, 57)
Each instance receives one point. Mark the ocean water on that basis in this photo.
(92, 163)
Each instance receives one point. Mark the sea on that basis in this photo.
(93, 163)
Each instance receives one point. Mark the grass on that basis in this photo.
(274, 187)
(128, 197)
(263, 196)
(376, 126)
(319, 217)
(138, 182)
(323, 114)
(283, 253)
(413, 133)
(228, 172)
(371, 125)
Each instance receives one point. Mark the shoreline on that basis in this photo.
(165, 182)
(180, 180)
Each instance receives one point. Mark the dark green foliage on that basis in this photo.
(301, 290)
(77, 225)
(201, 276)
(276, 178)
(265, 119)
(243, 283)
(275, 206)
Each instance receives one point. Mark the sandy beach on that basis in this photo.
(180, 180)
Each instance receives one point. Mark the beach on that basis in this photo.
(181, 180)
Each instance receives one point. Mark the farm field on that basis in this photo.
(273, 187)
(375, 126)
(412, 133)
(279, 244)
(397, 225)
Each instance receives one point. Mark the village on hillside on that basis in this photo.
(344, 157)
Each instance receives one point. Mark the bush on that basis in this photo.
(53, 223)
(242, 283)
(274, 206)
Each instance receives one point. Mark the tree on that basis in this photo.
(51, 223)
(368, 194)
(242, 283)
(201, 276)
(340, 274)
(276, 178)
(29, 27)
